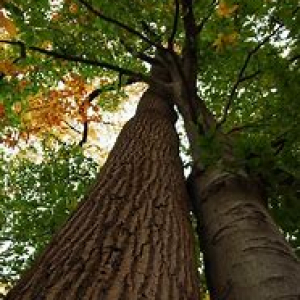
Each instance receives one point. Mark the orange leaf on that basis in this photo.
(73, 8)
(22, 84)
(55, 17)
(224, 10)
(2, 110)
(7, 67)
(7, 24)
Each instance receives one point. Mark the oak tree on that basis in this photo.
(231, 70)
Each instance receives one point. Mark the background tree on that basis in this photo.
(242, 63)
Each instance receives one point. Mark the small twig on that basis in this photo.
(93, 95)
(16, 60)
(246, 126)
(151, 32)
(72, 127)
(251, 76)
(118, 23)
(139, 54)
(175, 25)
(206, 18)
(294, 58)
(241, 77)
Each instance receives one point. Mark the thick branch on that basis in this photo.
(88, 61)
(241, 77)
(76, 59)
(187, 68)
(190, 47)
(133, 74)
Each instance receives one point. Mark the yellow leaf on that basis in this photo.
(230, 39)
(7, 24)
(46, 45)
(17, 107)
(93, 134)
(224, 10)
(219, 43)
(224, 40)
(207, 297)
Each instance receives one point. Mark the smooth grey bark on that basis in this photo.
(246, 256)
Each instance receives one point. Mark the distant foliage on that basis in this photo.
(38, 192)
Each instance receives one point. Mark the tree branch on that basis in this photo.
(237, 129)
(132, 74)
(175, 25)
(188, 67)
(88, 61)
(129, 29)
(22, 56)
(93, 95)
(72, 127)
(79, 59)
(294, 58)
(241, 77)
(206, 18)
(248, 77)
(151, 33)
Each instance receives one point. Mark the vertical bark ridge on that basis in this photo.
(131, 237)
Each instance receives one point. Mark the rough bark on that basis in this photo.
(131, 238)
(246, 256)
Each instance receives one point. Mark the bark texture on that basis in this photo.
(131, 238)
(245, 254)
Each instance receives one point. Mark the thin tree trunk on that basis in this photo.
(131, 238)
(246, 256)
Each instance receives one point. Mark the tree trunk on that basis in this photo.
(246, 256)
(131, 238)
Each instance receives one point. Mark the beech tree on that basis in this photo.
(231, 70)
